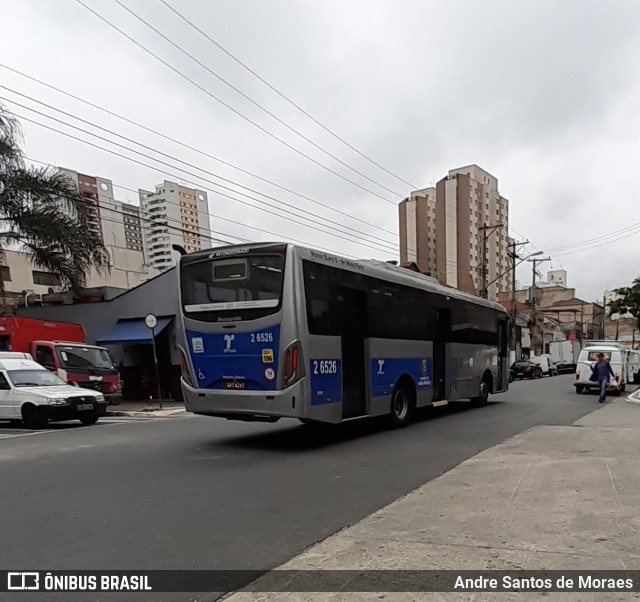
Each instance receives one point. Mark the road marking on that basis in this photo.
(12, 433)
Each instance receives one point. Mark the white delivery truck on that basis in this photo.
(564, 354)
(617, 356)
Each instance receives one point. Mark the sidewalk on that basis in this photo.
(553, 497)
(170, 407)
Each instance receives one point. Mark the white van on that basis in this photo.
(633, 366)
(32, 394)
(617, 357)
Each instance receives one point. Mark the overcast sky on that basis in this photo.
(544, 95)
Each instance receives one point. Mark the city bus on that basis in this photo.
(269, 331)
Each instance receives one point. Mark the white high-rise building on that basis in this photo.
(120, 228)
(174, 214)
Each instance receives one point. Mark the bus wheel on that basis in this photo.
(402, 405)
(483, 397)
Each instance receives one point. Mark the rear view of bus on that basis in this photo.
(238, 353)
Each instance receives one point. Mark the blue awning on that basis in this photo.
(132, 331)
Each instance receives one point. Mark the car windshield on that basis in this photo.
(34, 378)
(81, 356)
(593, 355)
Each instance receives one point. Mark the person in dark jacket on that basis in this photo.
(601, 372)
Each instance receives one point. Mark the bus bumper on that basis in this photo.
(264, 406)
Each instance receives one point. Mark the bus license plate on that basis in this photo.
(235, 384)
(85, 406)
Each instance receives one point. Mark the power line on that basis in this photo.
(602, 244)
(247, 97)
(383, 243)
(242, 115)
(597, 239)
(334, 234)
(189, 147)
(175, 228)
(180, 229)
(191, 182)
(284, 96)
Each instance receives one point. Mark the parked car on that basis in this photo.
(545, 361)
(525, 369)
(32, 394)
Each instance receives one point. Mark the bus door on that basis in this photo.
(352, 306)
(503, 353)
(442, 336)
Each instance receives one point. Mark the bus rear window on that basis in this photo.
(249, 286)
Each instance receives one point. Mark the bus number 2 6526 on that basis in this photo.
(262, 337)
(325, 366)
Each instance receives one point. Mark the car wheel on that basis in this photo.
(33, 418)
(579, 389)
(88, 420)
(402, 406)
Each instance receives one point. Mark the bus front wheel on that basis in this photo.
(402, 405)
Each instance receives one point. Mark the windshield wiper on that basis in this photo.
(30, 385)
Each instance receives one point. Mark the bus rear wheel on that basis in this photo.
(483, 394)
(402, 406)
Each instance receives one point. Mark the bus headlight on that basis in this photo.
(184, 368)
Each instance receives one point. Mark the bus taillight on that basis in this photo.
(292, 368)
(184, 368)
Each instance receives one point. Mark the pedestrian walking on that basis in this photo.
(601, 372)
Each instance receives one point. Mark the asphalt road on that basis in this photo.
(200, 493)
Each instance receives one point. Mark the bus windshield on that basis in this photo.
(249, 286)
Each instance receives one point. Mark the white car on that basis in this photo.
(32, 394)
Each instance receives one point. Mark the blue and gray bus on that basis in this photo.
(272, 330)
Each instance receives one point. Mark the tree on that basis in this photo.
(43, 214)
(628, 301)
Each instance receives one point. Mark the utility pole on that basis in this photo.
(514, 257)
(535, 263)
(487, 231)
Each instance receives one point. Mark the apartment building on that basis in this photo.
(451, 229)
(174, 214)
(120, 227)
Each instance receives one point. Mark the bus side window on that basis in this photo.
(319, 301)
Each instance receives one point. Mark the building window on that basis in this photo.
(45, 278)
(5, 273)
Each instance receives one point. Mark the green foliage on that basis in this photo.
(628, 301)
(43, 215)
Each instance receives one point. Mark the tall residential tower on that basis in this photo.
(448, 230)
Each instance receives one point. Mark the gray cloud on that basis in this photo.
(544, 95)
